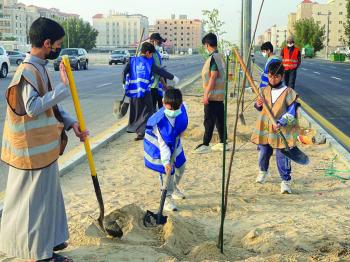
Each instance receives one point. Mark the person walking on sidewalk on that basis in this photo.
(281, 100)
(34, 222)
(213, 75)
(291, 57)
(137, 79)
(163, 130)
(267, 51)
(158, 86)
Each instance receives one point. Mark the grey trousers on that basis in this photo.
(174, 179)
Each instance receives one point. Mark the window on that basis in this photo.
(340, 13)
(166, 22)
(340, 22)
(166, 28)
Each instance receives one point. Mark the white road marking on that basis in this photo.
(336, 78)
(318, 73)
(304, 69)
(348, 69)
(107, 84)
(332, 66)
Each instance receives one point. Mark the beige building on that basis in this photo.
(119, 29)
(17, 18)
(304, 10)
(336, 10)
(275, 34)
(292, 18)
(182, 33)
(5, 20)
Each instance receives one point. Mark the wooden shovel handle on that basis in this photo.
(256, 91)
(252, 84)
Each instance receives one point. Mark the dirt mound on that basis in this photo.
(181, 235)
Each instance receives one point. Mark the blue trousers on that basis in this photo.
(283, 162)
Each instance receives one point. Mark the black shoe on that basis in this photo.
(60, 247)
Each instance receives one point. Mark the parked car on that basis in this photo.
(16, 57)
(119, 56)
(132, 52)
(78, 58)
(164, 55)
(4, 62)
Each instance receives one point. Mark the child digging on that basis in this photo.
(163, 129)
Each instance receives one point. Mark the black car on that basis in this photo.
(77, 57)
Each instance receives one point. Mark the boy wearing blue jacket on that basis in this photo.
(163, 130)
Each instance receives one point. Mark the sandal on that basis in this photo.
(60, 247)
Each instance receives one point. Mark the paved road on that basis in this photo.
(98, 88)
(325, 86)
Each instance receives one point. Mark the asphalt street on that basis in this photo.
(98, 88)
(325, 86)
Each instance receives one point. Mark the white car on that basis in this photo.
(4, 63)
(164, 55)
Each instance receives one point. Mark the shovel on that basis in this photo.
(294, 153)
(109, 227)
(152, 219)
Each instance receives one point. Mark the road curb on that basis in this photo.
(337, 148)
(77, 155)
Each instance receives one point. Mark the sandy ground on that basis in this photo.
(312, 224)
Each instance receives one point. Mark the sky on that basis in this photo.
(273, 12)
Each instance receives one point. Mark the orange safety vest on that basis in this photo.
(218, 93)
(290, 62)
(29, 143)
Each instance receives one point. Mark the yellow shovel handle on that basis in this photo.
(79, 113)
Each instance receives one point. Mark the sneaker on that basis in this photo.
(261, 178)
(177, 194)
(202, 149)
(169, 204)
(220, 147)
(285, 187)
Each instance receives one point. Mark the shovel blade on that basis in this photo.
(296, 155)
(153, 219)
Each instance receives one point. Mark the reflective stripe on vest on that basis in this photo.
(219, 81)
(290, 62)
(29, 143)
(139, 79)
(169, 133)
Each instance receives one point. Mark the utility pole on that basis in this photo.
(327, 41)
(68, 31)
(247, 29)
(242, 31)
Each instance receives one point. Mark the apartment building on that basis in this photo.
(119, 30)
(17, 18)
(182, 33)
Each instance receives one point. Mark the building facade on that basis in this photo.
(16, 19)
(292, 18)
(119, 30)
(182, 33)
(332, 16)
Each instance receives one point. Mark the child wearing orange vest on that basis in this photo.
(281, 100)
